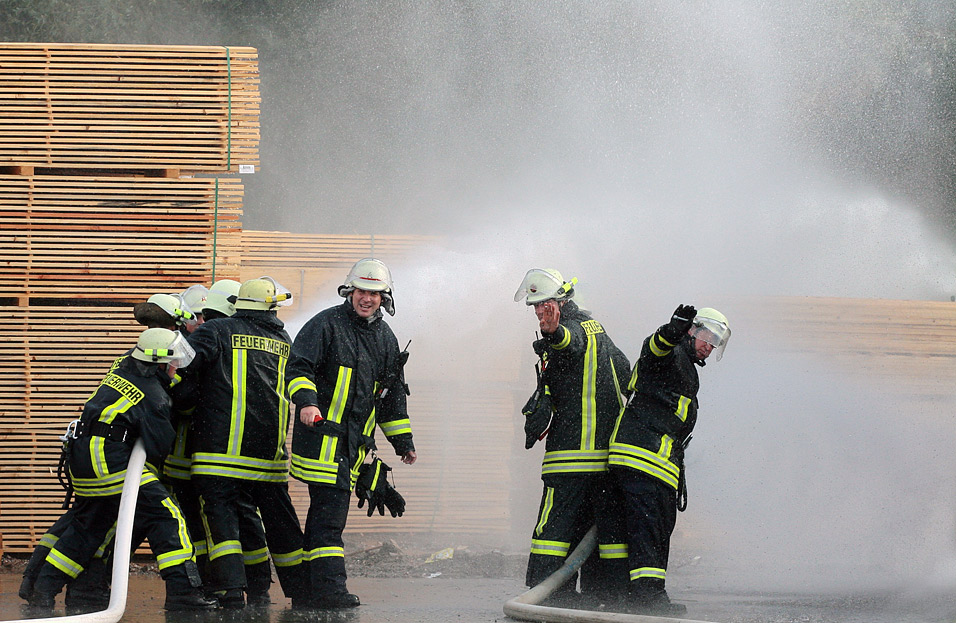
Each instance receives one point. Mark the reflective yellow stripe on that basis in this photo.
(340, 395)
(396, 427)
(283, 409)
(648, 572)
(617, 384)
(325, 552)
(682, 405)
(255, 556)
(287, 559)
(565, 339)
(659, 346)
(218, 550)
(612, 550)
(641, 459)
(64, 563)
(545, 510)
(550, 548)
(589, 395)
(574, 461)
(300, 382)
(237, 417)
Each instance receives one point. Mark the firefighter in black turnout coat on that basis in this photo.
(647, 448)
(130, 403)
(238, 438)
(345, 376)
(583, 377)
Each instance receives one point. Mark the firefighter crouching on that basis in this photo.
(91, 589)
(647, 449)
(130, 403)
(238, 438)
(582, 375)
(346, 376)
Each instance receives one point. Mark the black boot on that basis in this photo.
(193, 600)
(648, 597)
(90, 591)
(334, 601)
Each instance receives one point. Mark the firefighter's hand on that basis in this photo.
(683, 318)
(549, 315)
(409, 457)
(310, 415)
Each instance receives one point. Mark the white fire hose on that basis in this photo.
(525, 607)
(121, 549)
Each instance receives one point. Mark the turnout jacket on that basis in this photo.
(237, 381)
(584, 373)
(341, 363)
(131, 402)
(660, 415)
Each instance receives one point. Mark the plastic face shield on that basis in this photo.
(183, 353)
(717, 334)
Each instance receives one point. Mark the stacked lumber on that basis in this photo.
(186, 108)
(906, 345)
(95, 216)
(115, 238)
(313, 265)
(51, 359)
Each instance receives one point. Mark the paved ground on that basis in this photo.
(443, 600)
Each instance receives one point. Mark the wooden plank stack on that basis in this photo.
(129, 107)
(97, 213)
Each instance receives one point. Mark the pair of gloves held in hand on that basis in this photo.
(373, 487)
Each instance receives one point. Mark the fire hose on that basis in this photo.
(121, 551)
(526, 607)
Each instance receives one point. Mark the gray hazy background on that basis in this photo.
(703, 152)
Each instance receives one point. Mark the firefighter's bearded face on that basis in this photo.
(366, 303)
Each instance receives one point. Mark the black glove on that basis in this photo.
(393, 500)
(540, 346)
(371, 484)
(680, 324)
(537, 416)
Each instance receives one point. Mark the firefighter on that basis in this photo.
(582, 373)
(345, 376)
(130, 403)
(238, 438)
(647, 449)
(218, 303)
(90, 591)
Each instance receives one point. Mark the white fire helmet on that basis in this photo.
(222, 296)
(263, 293)
(373, 276)
(173, 305)
(711, 326)
(194, 297)
(544, 284)
(163, 346)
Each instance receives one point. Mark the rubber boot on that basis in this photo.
(647, 596)
(183, 594)
(90, 592)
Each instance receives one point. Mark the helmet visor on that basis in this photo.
(715, 333)
(182, 352)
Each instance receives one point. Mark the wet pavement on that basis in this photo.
(442, 600)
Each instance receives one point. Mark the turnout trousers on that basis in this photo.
(566, 513)
(324, 549)
(220, 501)
(650, 509)
(94, 518)
(252, 537)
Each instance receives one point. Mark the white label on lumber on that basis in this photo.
(247, 168)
